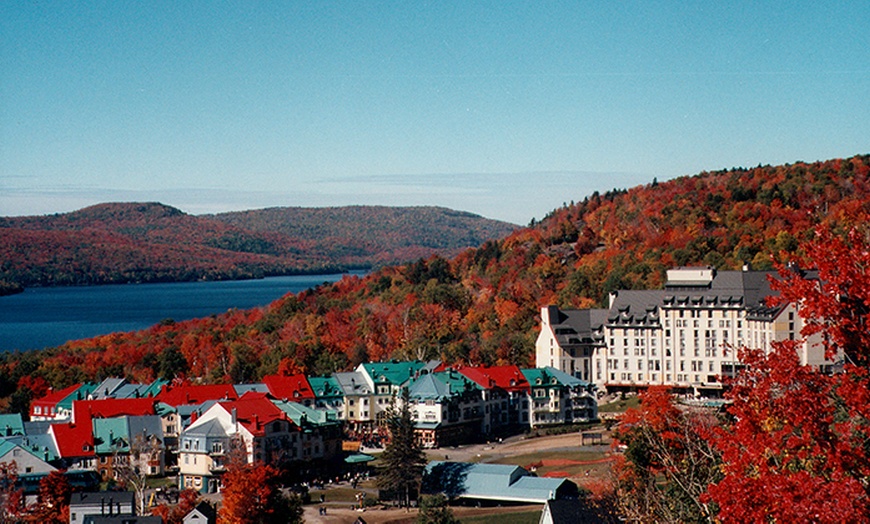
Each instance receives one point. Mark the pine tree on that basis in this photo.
(403, 457)
(434, 510)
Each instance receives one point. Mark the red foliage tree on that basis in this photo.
(11, 498)
(187, 500)
(796, 451)
(53, 502)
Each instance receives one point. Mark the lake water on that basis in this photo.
(45, 317)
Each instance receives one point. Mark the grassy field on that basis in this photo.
(572, 470)
(619, 406)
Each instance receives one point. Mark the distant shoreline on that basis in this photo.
(11, 288)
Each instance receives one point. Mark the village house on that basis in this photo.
(505, 397)
(448, 409)
(263, 432)
(129, 442)
(559, 398)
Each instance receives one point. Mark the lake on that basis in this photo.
(45, 317)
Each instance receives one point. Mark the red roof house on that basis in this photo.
(46, 407)
(74, 440)
(112, 407)
(254, 411)
(293, 387)
(195, 394)
(508, 378)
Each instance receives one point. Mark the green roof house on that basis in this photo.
(559, 398)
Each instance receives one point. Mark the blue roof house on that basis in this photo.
(493, 482)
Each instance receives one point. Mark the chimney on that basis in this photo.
(256, 421)
(193, 416)
(235, 418)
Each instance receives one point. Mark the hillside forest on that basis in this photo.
(482, 306)
(152, 242)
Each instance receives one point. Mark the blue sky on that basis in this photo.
(506, 109)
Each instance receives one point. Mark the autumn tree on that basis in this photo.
(11, 497)
(668, 461)
(403, 456)
(187, 500)
(796, 450)
(52, 506)
(131, 466)
(251, 494)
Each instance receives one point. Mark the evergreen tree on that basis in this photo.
(403, 457)
(434, 510)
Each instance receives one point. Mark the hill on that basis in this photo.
(152, 242)
(482, 306)
(374, 235)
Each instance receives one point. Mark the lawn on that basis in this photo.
(572, 470)
(618, 406)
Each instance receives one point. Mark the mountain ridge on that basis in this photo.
(154, 242)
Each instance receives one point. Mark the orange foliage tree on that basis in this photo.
(251, 495)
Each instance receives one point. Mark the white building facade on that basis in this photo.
(684, 336)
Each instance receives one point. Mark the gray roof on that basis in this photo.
(578, 326)
(571, 511)
(123, 519)
(90, 498)
(726, 289)
(206, 510)
(107, 388)
(150, 425)
(352, 383)
(241, 389)
(635, 308)
(212, 428)
(38, 427)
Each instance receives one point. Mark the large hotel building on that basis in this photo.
(685, 335)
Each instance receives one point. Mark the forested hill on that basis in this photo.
(482, 306)
(360, 235)
(152, 242)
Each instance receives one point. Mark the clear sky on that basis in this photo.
(505, 109)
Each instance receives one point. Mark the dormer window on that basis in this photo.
(513, 382)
